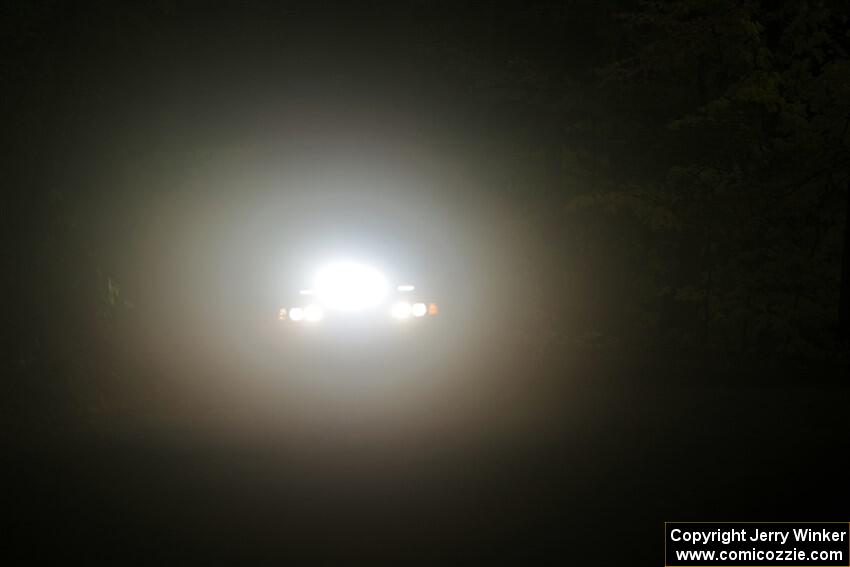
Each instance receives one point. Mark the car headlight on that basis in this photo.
(401, 310)
(296, 314)
(350, 286)
(313, 313)
(419, 309)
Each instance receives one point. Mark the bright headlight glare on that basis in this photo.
(296, 314)
(401, 310)
(313, 313)
(350, 286)
(419, 309)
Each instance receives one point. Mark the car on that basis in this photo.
(349, 290)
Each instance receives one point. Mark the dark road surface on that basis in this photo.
(583, 462)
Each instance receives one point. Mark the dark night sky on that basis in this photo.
(633, 216)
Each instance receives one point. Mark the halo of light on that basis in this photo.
(419, 309)
(401, 310)
(313, 313)
(296, 314)
(350, 286)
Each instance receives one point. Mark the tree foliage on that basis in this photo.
(744, 227)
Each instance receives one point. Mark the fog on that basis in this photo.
(631, 218)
